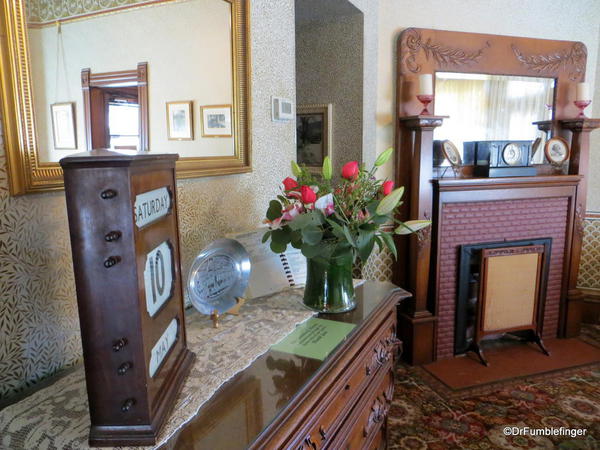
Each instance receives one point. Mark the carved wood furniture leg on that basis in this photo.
(580, 129)
(417, 323)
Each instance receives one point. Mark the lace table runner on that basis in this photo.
(57, 417)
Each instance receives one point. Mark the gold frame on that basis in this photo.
(327, 110)
(27, 174)
(202, 108)
(190, 105)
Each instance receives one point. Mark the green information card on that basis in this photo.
(315, 338)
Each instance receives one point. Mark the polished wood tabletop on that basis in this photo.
(237, 413)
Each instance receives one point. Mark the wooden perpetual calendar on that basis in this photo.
(124, 236)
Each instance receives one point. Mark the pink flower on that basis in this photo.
(350, 170)
(387, 187)
(325, 204)
(308, 195)
(289, 184)
(292, 211)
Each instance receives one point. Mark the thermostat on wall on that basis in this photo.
(282, 109)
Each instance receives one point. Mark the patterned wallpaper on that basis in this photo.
(43, 11)
(589, 269)
(39, 324)
(329, 59)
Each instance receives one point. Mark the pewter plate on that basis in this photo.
(218, 275)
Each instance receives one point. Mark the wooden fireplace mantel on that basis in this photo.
(466, 184)
(424, 51)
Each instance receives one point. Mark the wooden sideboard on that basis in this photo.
(286, 401)
(292, 402)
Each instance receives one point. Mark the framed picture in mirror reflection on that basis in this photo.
(63, 125)
(216, 121)
(313, 135)
(180, 125)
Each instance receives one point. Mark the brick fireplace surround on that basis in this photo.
(495, 221)
(483, 211)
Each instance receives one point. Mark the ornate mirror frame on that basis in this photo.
(428, 51)
(27, 174)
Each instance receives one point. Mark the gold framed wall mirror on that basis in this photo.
(196, 52)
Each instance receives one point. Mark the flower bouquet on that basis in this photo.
(335, 225)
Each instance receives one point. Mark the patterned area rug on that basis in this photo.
(420, 418)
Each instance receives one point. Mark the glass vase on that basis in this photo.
(329, 287)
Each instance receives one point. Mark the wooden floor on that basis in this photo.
(512, 361)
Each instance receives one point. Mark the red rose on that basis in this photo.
(289, 184)
(308, 195)
(387, 187)
(350, 170)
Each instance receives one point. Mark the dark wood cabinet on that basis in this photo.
(339, 403)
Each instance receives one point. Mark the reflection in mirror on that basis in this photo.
(485, 107)
(115, 109)
(188, 48)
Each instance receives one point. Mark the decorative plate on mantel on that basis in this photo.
(557, 150)
(218, 276)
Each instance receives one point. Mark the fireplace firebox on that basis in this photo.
(501, 289)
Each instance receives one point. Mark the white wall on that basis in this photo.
(546, 19)
(186, 44)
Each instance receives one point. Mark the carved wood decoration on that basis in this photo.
(426, 51)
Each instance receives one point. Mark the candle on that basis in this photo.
(426, 84)
(583, 91)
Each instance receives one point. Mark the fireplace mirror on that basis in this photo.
(201, 114)
(483, 107)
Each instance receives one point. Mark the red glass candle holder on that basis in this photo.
(425, 100)
(582, 104)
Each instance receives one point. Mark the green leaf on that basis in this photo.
(278, 247)
(389, 202)
(311, 251)
(312, 235)
(384, 157)
(380, 220)
(281, 236)
(310, 219)
(296, 170)
(296, 239)
(372, 207)
(327, 168)
(266, 236)
(348, 235)
(379, 243)
(389, 242)
(369, 226)
(365, 243)
(336, 229)
(274, 211)
(342, 253)
(411, 226)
